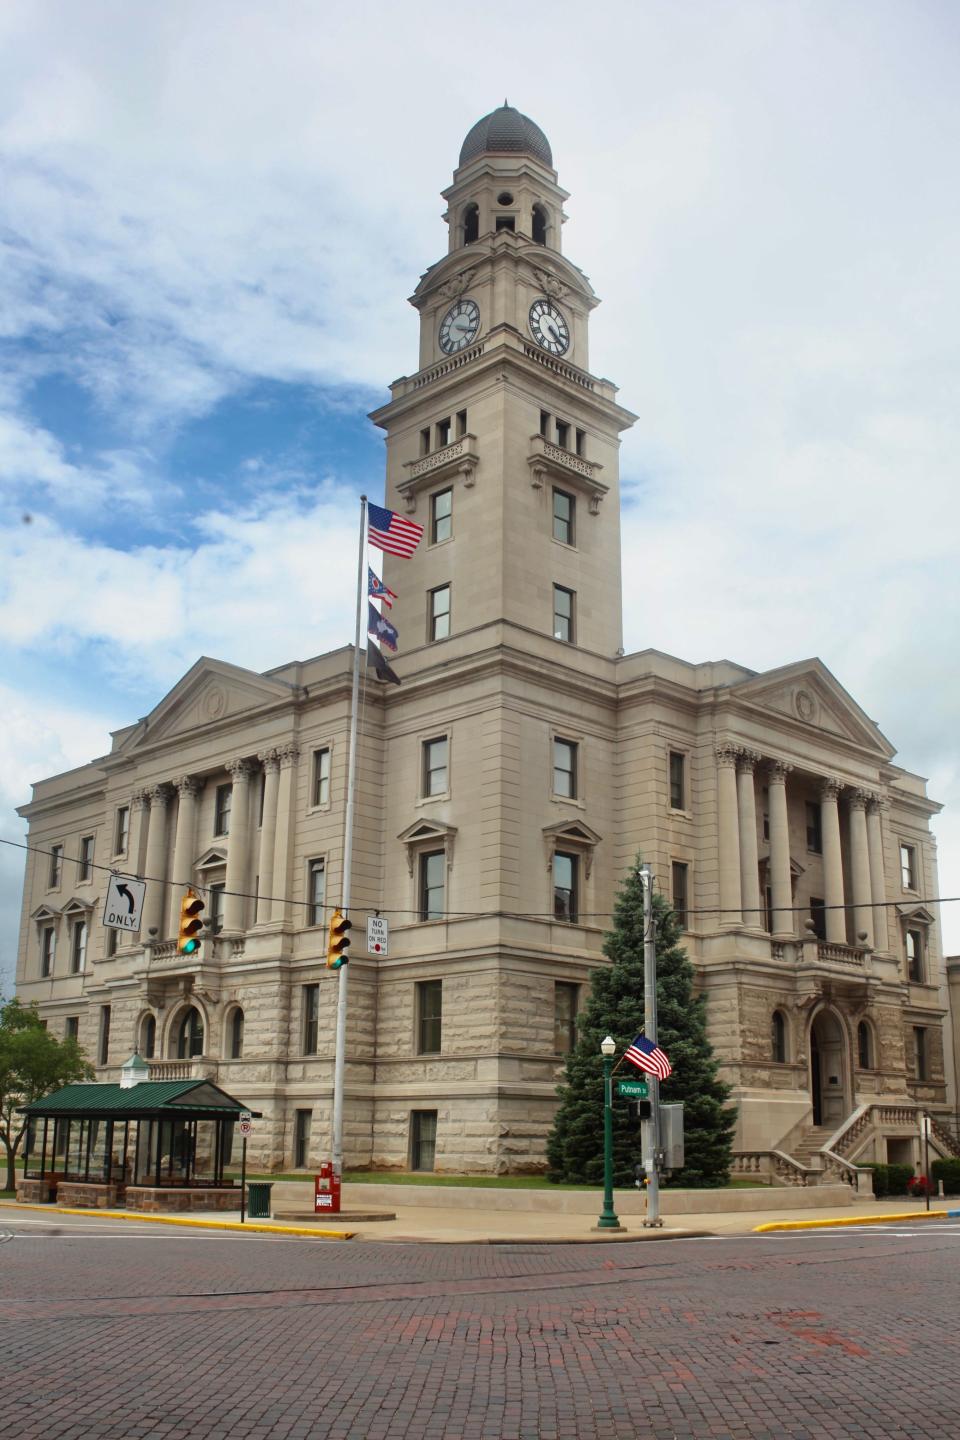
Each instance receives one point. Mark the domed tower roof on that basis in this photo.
(506, 131)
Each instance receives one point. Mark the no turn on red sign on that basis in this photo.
(378, 935)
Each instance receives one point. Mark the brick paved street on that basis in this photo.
(118, 1331)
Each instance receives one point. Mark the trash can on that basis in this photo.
(258, 1199)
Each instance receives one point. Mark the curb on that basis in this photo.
(255, 1225)
(853, 1220)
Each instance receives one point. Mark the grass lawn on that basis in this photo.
(492, 1182)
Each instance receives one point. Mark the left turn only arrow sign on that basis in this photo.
(124, 903)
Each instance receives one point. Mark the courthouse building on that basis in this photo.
(504, 789)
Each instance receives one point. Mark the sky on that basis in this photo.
(210, 219)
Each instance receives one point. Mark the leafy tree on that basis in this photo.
(32, 1064)
(615, 1007)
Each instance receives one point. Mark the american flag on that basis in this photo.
(392, 533)
(649, 1057)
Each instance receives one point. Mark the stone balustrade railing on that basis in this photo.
(841, 954)
(775, 1163)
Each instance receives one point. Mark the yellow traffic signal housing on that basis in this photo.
(338, 942)
(191, 923)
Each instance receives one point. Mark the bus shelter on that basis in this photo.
(152, 1145)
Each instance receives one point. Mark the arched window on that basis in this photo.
(539, 225)
(190, 1035)
(778, 1038)
(864, 1046)
(148, 1037)
(235, 1036)
(471, 223)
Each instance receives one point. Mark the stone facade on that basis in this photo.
(769, 805)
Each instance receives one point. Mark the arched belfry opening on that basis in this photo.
(539, 225)
(471, 223)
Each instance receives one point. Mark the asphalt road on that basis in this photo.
(116, 1330)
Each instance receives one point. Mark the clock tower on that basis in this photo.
(503, 445)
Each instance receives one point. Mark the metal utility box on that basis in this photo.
(671, 1136)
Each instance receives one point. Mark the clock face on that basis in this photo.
(548, 327)
(459, 326)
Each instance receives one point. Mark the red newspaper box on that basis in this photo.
(326, 1190)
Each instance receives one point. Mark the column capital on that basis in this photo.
(159, 796)
(270, 760)
(748, 760)
(727, 753)
(287, 754)
(830, 787)
(777, 771)
(138, 799)
(860, 799)
(188, 785)
(878, 804)
(240, 768)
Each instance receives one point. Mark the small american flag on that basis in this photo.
(649, 1057)
(392, 533)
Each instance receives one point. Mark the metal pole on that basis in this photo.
(339, 1054)
(243, 1182)
(652, 1156)
(608, 1216)
(926, 1157)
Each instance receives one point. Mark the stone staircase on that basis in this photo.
(806, 1149)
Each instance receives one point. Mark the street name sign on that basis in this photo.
(124, 903)
(632, 1089)
(378, 935)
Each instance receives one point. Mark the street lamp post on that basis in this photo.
(608, 1216)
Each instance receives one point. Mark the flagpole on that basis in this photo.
(652, 1128)
(338, 1064)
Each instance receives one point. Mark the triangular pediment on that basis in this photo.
(423, 831)
(76, 906)
(44, 914)
(574, 832)
(918, 914)
(807, 694)
(211, 859)
(211, 691)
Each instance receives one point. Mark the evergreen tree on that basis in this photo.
(615, 1007)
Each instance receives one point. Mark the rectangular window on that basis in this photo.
(110, 944)
(678, 780)
(678, 878)
(581, 441)
(563, 435)
(440, 613)
(920, 1052)
(443, 433)
(908, 867)
(429, 1017)
(818, 915)
(565, 899)
(433, 867)
(121, 833)
(424, 444)
(317, 881)
(461, 424)
(544, 423)
(311, 1018)
(564, 511)
(221, 811)
(78, 948)
(441, 516)
(505, 222)
(565, 768)
(915, 956)
(563, 614)
(48, 951)
(814, 828)
(435, 779)
(303, 1121)
(423, 1139)
(71, 1028)
(215, 904)
(321, 777)
(104, 1048)
(56, 866)
(566, 999)
(85, 868)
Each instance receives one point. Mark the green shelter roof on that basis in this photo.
(148, 1099)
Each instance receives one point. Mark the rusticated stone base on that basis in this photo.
(180, 1198)
(36, 1192)
(87, 1195)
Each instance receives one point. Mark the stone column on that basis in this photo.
(138, 808)
(782, 921)
(728, 836)
(749, 860)
(238, 848)
(155, 864)
(860, 868)
(184, 842)
(270, 761)
(287, 756)
(836, 918)
(878, 886)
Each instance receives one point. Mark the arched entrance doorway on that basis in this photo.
(829, 1070)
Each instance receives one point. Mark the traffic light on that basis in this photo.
(338, 943)
(191, 923)
(645, 1109)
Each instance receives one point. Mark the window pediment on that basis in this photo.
(915, 914)
(77, 909)
(211, 859)
(574, 835)
(425, 835)
(45, 915)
